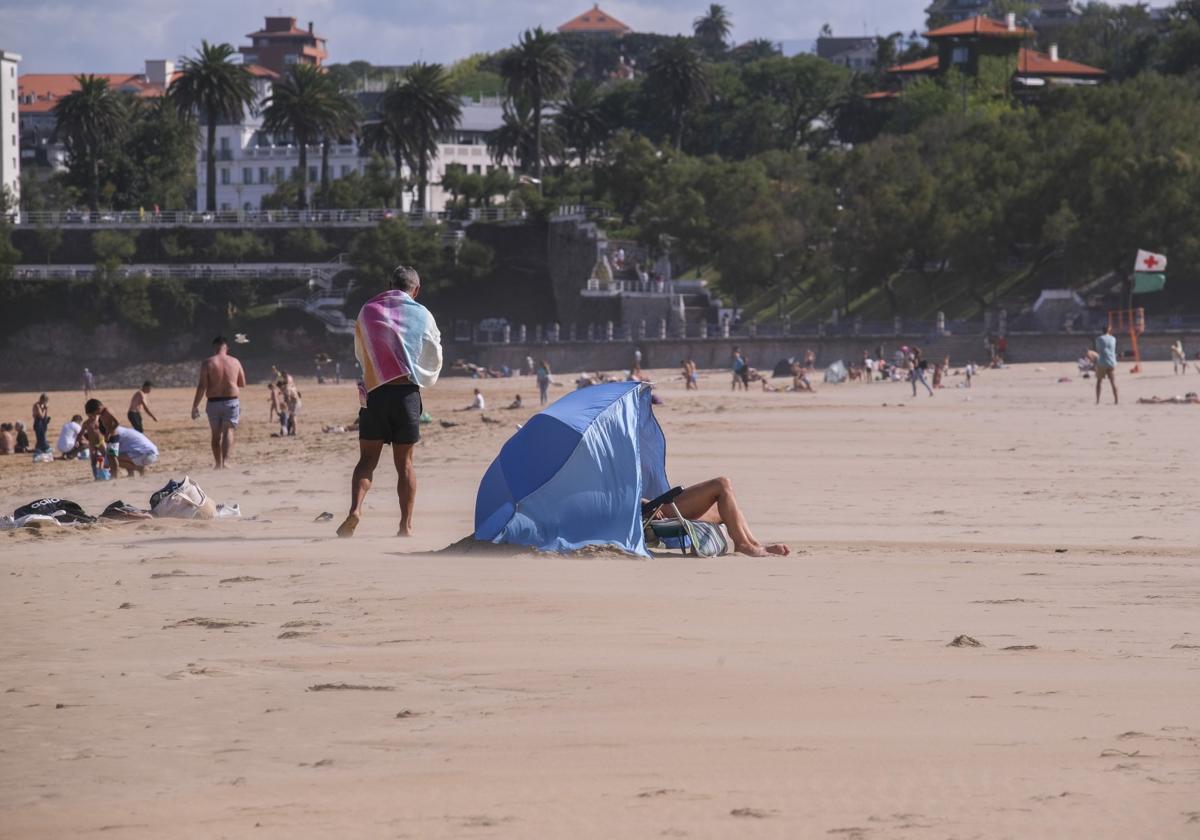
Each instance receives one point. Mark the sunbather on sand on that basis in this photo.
(713, 501)
(1190, 398)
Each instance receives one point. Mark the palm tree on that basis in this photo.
(678, 75)
(535, 70)
(344, 123)
(89, 121)
(581, 121)
(417, 110)
(516, 138)
(712, 29)
(216, 88)
(304, 103)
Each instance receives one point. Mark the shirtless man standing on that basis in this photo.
(137, 404)
(221, 378)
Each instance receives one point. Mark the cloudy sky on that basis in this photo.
(77, 35)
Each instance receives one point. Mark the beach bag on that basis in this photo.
(700, 539)
(183, 500)
(62, 510)
(120, 512)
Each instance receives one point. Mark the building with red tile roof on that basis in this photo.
(280, 44)
(596, 21)
(981, 27)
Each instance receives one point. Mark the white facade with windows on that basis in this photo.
(251, 163)
(10, 129)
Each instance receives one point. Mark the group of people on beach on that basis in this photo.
(14, 436)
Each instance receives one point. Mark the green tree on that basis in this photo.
(677, 75)
(376, 253)
(218, 90)
(305, 104)
(712, 30)
(303, 244)
(420, 108)
(90, 121)
(238, 247)
(535, 71)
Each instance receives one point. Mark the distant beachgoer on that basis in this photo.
(741, 373)
(1106, 362)
(637, 359)
(221, 381)
(399, 347)
(1178, 357)
(713, 501)
(138, 403)
(800, 380)
(22, 441)
(69, 436)
(543, 380)
(516, 403)
(810, 360)
(292, 402)
(41, 422)
(8, 439)
(917, 373)
(272, 402)
(478, 403)
(337, 373)
(1190, 398)
(89, 383)
(1002, 349)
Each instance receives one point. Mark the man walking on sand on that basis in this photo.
(1106, 362)
(221, 381)
(397, 343)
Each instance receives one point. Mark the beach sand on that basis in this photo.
(260, 678)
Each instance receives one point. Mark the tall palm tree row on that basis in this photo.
(679, 76)
(89, 121)
(218, 90)
(416, 111)
(536, 70)
(306, 104)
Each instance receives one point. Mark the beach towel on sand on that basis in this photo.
(395, 336)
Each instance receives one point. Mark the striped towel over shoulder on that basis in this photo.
(395, 337)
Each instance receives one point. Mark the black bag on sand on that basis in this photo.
(65, 511)
(120, 512)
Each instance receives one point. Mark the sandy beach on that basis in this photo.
(260, 678)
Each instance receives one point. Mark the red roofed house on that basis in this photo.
(597, 22)
(38, 93)
(962, 45)
(280, 44)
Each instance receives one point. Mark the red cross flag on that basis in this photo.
(1146, 261)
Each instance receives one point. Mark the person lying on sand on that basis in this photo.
(713, 501)
(1190, 398)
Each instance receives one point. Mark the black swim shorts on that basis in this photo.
(392, 414)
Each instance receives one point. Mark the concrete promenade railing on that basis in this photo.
(268, 218)
(197, 271)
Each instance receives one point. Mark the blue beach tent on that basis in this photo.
(576, 473)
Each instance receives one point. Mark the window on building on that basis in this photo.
(477, 169)
(345, 170)
(247, 175)
(224, 205)
(959, 55)
(312, 173)
(291, 58)
(264, 175)
(295, 169)
(224, 175)
(224, 144)
(280, 175)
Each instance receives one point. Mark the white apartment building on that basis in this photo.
(10, 149)
(251, 163)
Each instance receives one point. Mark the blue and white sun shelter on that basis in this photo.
(576, 473)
